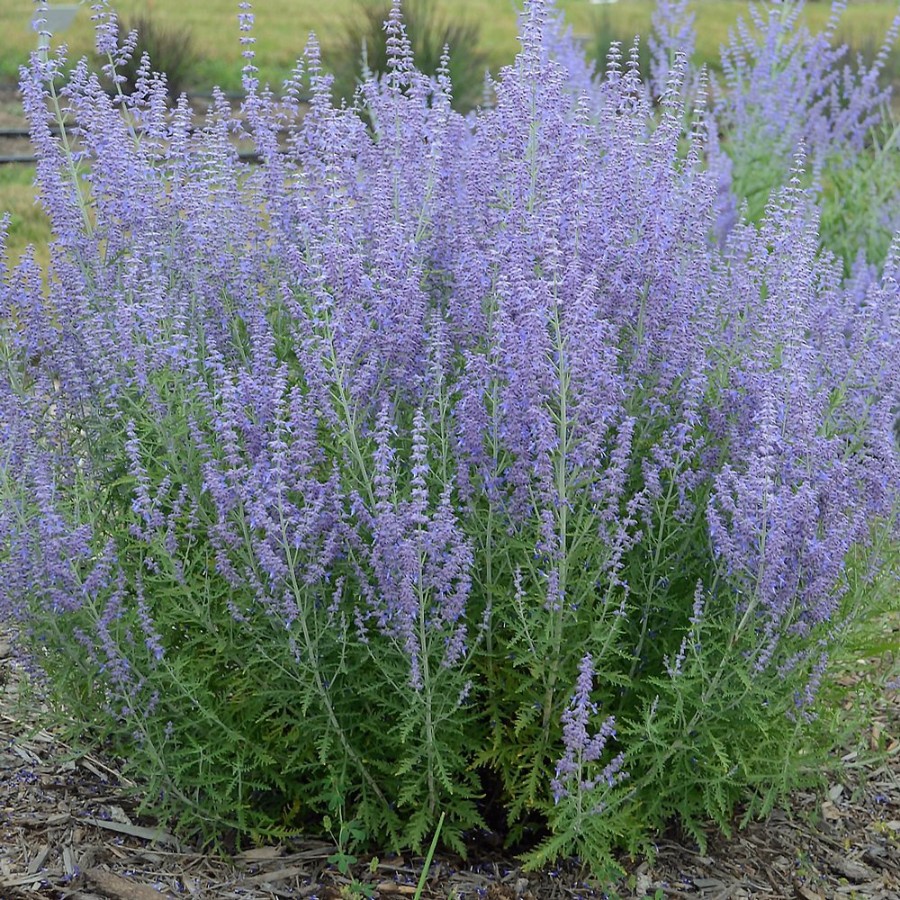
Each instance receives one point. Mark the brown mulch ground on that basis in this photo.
(68, 830)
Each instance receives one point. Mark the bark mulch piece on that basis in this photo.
(68, 830)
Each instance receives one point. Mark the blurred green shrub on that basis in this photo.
(431, 27)
(171, 50)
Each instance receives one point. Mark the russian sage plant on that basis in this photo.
(436, 457)
(784, 86)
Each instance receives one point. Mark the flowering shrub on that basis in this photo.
(437, 456)
(784, 84)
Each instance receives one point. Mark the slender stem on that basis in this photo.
(311, 648)
(557, 611)
(427, 692)
(70, 161)
(344, 406)
(654, 577)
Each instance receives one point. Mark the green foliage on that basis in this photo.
(252, 724)
(860, 198)
(699, 737)
(858, 194)
(245, 712)
(757, 170)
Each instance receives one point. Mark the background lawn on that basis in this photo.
(28, 224)
(283, 25)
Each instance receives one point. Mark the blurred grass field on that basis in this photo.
(282, 27)
(28, 223)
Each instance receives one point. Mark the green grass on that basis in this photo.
(283, 25)
(28, 222)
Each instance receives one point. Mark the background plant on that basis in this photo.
(785, 84)
(430, 29)
(478, 425)
(280, 24)
(171, 50)
(605, 32)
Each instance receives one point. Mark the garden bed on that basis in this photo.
(68, 829)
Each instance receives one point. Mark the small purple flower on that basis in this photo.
(582, 748)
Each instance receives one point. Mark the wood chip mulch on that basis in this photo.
(68, 830)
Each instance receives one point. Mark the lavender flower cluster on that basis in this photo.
(440, 412)
(581, 748)
(786, 84)
(783, 86)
